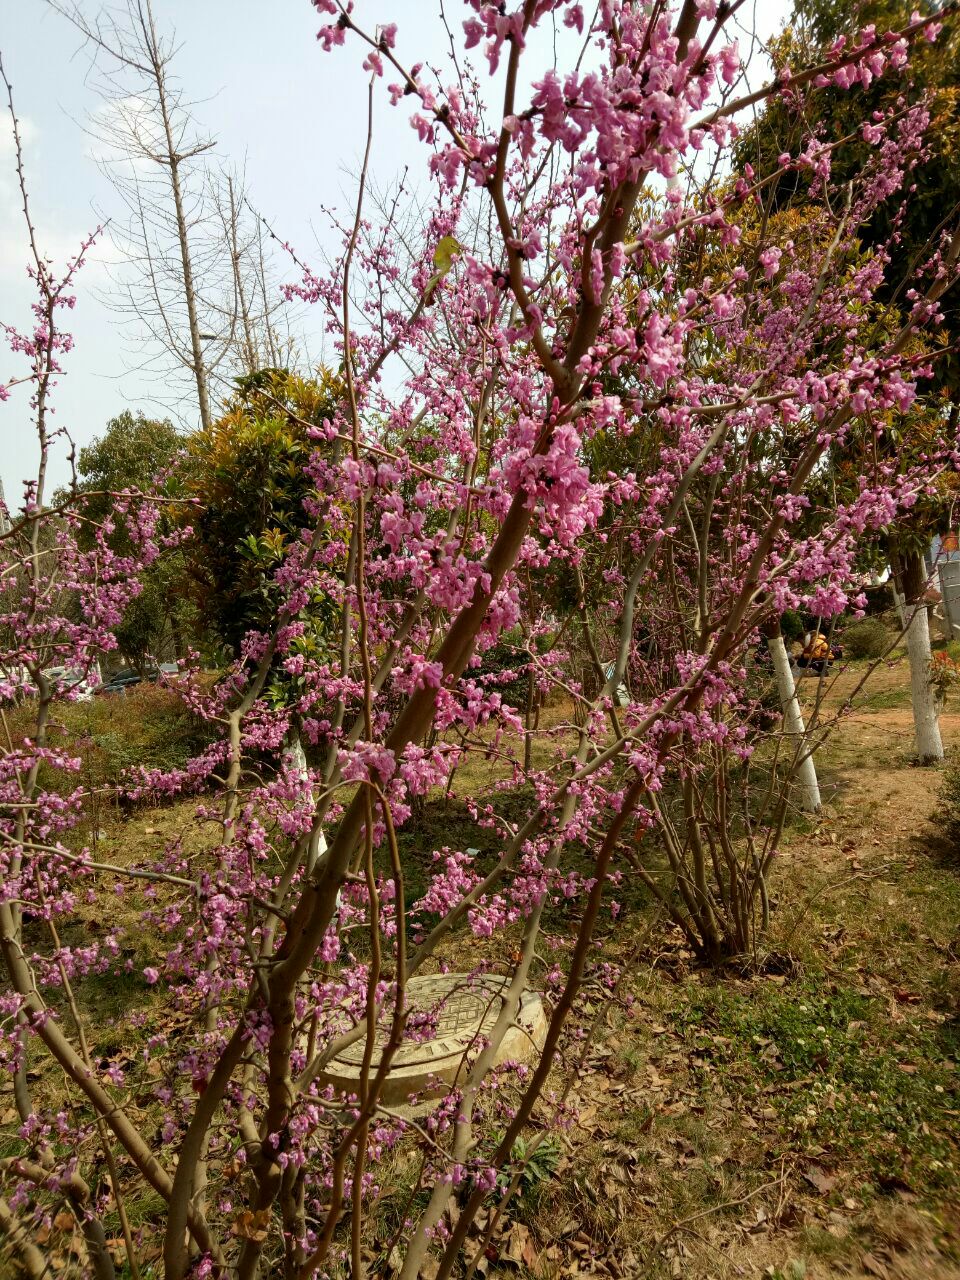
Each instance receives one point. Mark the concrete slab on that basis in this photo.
(461, 1010)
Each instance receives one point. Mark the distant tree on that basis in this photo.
(132, 451)
(248, 475)
(140, 453)
(836, 113)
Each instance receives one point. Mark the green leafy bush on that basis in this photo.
(791, 626)
(868, 638)
(947, 812)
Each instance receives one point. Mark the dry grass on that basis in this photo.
(801, 1122)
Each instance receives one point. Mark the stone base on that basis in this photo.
(463, 1010)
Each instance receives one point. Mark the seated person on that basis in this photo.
(816, 654)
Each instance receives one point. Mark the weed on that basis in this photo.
(633, 1059)
(795, 1269)
(536, 1162)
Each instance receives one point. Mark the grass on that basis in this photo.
(110, 997)
(148, 725)
(885, 700)
(817, 1242)
(848, 1085)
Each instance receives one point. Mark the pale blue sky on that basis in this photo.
(292, 115)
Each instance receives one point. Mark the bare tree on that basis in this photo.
(253, 305)
(177, 277)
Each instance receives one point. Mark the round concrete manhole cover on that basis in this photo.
(456, 1012)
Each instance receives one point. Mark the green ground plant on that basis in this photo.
(846, 1082)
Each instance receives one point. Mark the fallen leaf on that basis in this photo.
(819, 1180)
(530, 1257)
(516, 1244)
(252, 1226)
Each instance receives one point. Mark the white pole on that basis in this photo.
(296, 757)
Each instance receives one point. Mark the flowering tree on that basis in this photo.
(562, 312)
(63, 597)
(814, 26)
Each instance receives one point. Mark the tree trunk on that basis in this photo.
(806, 772)
(176, 635)
(923, 695)
(249, 345)
(173, 161)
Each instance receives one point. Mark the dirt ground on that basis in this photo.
(704, 1151)
(797, 1121)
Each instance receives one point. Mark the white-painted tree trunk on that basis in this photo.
(296, 757)
(901, 605)
(926, 705)
(807, 785)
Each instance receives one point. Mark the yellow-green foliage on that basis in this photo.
(246, 475)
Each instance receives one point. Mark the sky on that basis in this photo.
(292, 117)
